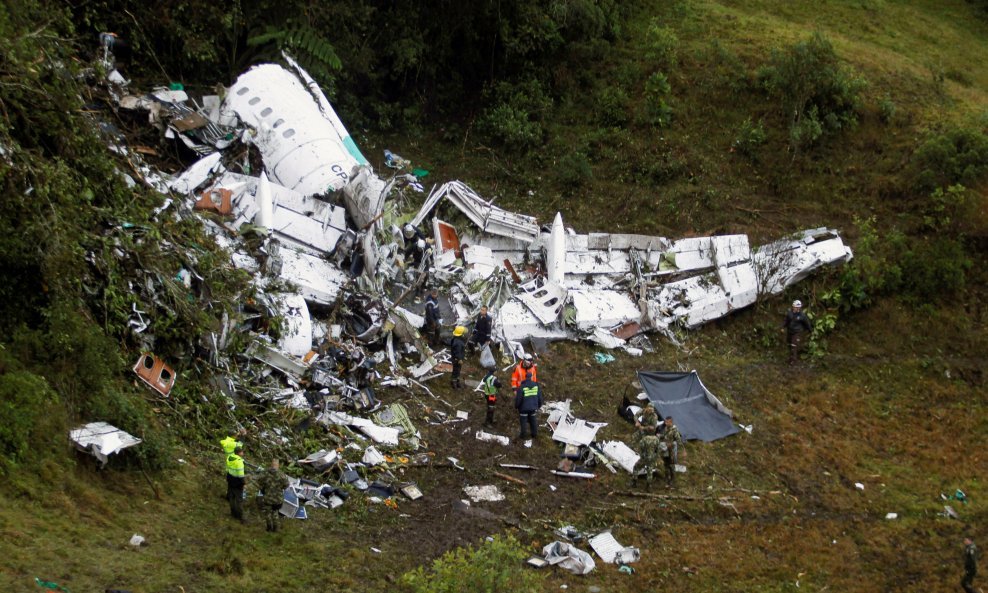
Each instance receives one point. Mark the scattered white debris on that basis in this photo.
(137, 540)
(492, 438)
(891, 516)
(489, 493)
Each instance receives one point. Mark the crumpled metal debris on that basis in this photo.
(102, 440)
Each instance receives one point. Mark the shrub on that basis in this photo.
(28, 408)
(574, 170)
(611, 106)
(661, 45)
(749, 138)
(956, 156)
(873, 271)
(818, 94)
(515, 120)
(937, 269)
(886, 109)
(493, 566)
(945, 207)
(657, 110)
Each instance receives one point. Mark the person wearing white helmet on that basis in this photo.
(415, 245)
(797, 326)
(526, 369)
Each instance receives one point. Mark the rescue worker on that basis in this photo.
(970, 565)
(649, 446)
(525, 368)
(670, 440)
(272, 484)
(415, 245)
(647, 423)
(490, 386)
(528, 399)
(229, 445)
(481, 329)
(457, 350)
(797, 326)
(433, 319)
(235, 482)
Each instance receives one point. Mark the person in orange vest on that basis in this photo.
(525, 369)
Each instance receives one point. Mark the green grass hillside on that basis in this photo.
(673, 118)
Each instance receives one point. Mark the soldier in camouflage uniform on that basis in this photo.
(648, 449)
(645, 424)
(671, 440)
(272, 484)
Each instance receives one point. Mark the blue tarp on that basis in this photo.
(698, 414)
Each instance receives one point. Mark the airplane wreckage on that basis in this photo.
(344, 239)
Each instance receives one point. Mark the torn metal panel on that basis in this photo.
(621, 454)
(479, 262)
(740, 285)
(316, 229)
(482, 213)
(602, 308)
(379, 434)
(280, 361)
(318, 281)
(101, 440)
(574, 431)
(296, 338)
(153, 371)
(302, 148)
(545, 302)
(321, 460)
(364, 197)
(783, 263)
(610, 551)
(516, 322)
(196, 175)
(569, 557)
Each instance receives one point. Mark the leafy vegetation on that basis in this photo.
(494, 565)
(818, 94)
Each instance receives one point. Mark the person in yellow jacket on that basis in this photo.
(229, 445)
(235, 482)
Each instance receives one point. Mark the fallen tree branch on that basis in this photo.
(510, 478)
(670, 496)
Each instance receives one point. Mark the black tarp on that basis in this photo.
(698, 414)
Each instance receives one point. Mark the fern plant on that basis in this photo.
(313, 51)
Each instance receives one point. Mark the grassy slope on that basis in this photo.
(896, 404)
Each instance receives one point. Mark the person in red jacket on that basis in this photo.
(525, 368)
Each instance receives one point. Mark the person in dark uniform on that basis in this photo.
(528, 400)
(457, 351)
(433, 318)
(970, 565)
(481, 330)
(797, 326)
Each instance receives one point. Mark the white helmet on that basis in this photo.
(409, 231)
(797, 304)
(527, 357)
